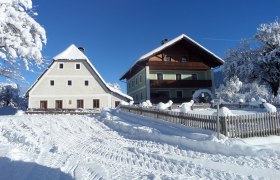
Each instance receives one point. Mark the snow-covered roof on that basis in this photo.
(73, 53)
(171, 42)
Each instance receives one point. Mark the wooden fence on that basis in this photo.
(242, 126)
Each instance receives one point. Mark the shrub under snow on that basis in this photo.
(269, 107)
(223, 111)
(186, 107)
(162, 106)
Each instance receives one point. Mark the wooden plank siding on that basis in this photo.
(241, 126)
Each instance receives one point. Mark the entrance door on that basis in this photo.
(43, 104)
(58, 104)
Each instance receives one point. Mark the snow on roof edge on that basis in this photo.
(169, 43)
(109, 87)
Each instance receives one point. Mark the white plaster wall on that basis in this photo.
(62, 91)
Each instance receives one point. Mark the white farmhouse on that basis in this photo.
(72, 82)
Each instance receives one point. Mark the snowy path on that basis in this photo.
(119, 146)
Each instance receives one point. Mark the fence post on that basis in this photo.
(218, 118)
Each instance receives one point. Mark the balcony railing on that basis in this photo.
(180, 83)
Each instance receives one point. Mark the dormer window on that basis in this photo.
(78, 66)
(167, 58)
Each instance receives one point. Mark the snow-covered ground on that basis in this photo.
(117, 145)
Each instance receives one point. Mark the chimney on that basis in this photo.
(81, 49)
(165, 40)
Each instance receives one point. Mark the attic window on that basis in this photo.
(52, 82)
(184, 59)
(167, 58)
(60, 65)
(69, 83)
(78, 66)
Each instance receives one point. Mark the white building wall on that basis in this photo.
(70, 94)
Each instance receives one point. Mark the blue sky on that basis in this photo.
(116, 33)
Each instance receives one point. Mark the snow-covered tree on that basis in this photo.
(230, 90)
(21, 37)
(235, 90)
(269, 54)
(9, 96)
(260, 64)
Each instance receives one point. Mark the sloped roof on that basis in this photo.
(73, 53)
(173, 41)
(170, 43)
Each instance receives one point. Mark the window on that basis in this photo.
(184, 59)
(136, 97)
(80, 103)
(58, 104)
(52, 82)
(141, 96)
(178, 76)
(117, 103)
(129, 85)
(43, 104)
(60, 65)
(179, 94)
(194, 76)
(96, 103)
(167, 58)
(78, 66)
(140, 78)
(136, 81)
(159, 76)
(86, 82)
(69, 83)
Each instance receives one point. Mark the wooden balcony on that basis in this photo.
(180, 83)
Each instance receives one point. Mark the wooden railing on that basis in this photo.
(180, 83)
(242, 126)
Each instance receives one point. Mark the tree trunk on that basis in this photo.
(274, 88)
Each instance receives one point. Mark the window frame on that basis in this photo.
(59, 65)
(44, 103)
(194, 76)
(167, 58)
(186, 59)
(58, 104)
(179, 92)
(159, 76)
(51, 82)
(80, 103)
(78, 65)
(178, 75)
(96, 103)
(117, 103)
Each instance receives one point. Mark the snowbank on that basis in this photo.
(269, 107)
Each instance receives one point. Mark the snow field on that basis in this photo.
(117, 145)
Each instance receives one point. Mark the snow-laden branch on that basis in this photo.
(21, 37)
